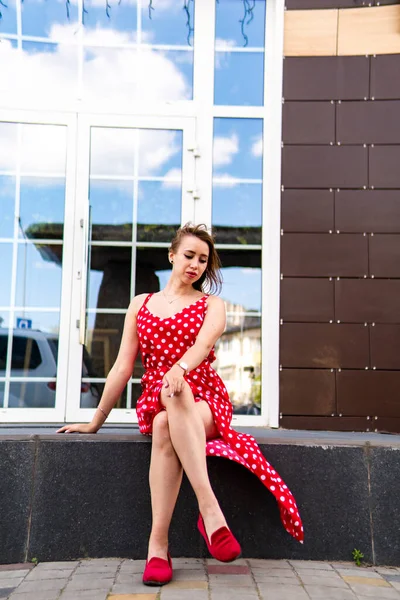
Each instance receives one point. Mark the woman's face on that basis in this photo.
(191, 258)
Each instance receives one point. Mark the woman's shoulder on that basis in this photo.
(215, 301)
(137, 303)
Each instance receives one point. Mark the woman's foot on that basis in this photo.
(158, 571)
(222, 545)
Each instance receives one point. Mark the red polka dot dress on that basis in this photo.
(163, 341)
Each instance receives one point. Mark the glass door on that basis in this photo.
(135, 186)
(37, 186)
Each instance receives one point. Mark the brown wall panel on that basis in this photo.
(385, 346)
(307, 210)
(305, 4)
(326, 78)
(308, 123)
(375, 211)
(318, 255)
(310, 392)
(373, 393)
(371, 122)
(383, 424)
(384, 256)
(385, 79)
(384, 166)
(325, 166)
(367, 300)
(328, 346)
(307, 300)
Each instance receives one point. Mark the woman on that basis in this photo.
(185, 405)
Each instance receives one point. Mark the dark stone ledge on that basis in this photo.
(73, 496)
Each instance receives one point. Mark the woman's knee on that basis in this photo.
(161, 436)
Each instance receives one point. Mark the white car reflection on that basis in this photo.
(34, 354)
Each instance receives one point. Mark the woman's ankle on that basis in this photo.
(157, 547)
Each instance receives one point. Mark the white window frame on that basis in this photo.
(56, 414)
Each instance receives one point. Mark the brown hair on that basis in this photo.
(211, 280)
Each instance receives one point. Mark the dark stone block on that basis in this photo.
(331, 489)
(16, 476)
(5, 592)
(91, 499)
(385, 506)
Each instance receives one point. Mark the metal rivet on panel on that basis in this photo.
(367, 429)
(330, 278)
(372, 145)
(365, 98)
(338, 143)
(366, 368)
(281, 321)
(281, 231)
(337, 278)
(338, 189)
(330, 189)
(339, 371)
(364, 187)
(372, 233)
(365, 276)
(330, 231)
(368, 418)
(373, 324)
(374, 368)
(364, 145)
(339, 102)
(337, 231)
(373, 98)
(281, 276)
(282, 144)
(283, 100)
(333, 414)
(338, 321)
(282, 188)
(364, 234)
(365, 324)
(331, 321)
(375, 428)
(340, 415)
(331, 143)
(372, 187)
(376, 418)
(280, 367)
(372, 276)
(332, 102)
(332, 370)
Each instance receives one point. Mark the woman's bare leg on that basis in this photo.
(189, 425)
(165, 479)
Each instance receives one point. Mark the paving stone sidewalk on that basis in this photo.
(198, 579)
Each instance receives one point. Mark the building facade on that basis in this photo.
(121, 121)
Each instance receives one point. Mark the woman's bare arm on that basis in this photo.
(118, 375)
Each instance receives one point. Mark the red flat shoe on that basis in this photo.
(158, 571)
(223, 545)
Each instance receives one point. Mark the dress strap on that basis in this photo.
(147, 299)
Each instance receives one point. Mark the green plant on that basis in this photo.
(34, 561)
(357, 556)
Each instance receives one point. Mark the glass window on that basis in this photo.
(239, 74)
(240, 23)
(8, 21)
(116, 25)
(160, 153)
(239, 362)
(111, 210)
(167, 23)
(10, 64)
(8, 146)
(49, 70)
(49, 19)
(42, 203)
(6, 253)
(152, 269)
(110, 276)
(112, 151)
(159, 209)
(25, 354)
(7, 200)
(43, 149)
(39, 275)
(241, 272)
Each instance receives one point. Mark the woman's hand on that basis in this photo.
(78, 428)
(174, 380)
